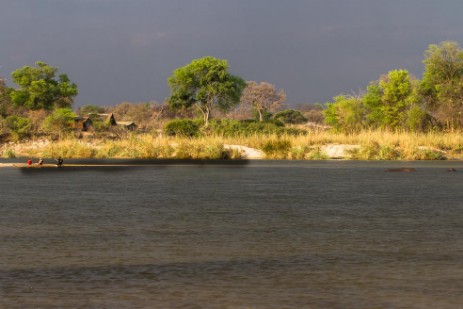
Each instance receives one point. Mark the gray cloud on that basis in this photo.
(118, 50)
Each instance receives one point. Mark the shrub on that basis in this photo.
(421, 153)
(248, 127)
(290, 116)
(19, 126)
(277, 149)
(182, 127)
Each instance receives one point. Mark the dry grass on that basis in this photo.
(374, 145)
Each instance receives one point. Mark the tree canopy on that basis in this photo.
(5, 102)
(391, 103)
(39, 89)
(442, 84)
(205, 83)
(262, 97)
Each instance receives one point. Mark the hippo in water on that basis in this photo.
(401, 169)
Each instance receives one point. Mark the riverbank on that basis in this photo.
(368, 145)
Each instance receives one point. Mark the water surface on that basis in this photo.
(268, 234)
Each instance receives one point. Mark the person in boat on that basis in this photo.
(40, 162)
(29, 162)
(59, 161)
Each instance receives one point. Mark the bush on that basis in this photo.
(233, 128)
(19, 126)
(290, 116)
(182, 127)
(277, 149)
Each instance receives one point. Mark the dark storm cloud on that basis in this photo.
(118, 50)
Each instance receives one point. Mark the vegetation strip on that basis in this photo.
(212, 114)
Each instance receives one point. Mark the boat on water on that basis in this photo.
(25, 165)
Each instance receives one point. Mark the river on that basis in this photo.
(261, 234)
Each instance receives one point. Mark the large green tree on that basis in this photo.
(39, 89)
(390, 103)
(442, 83)
(205, 83)
(389, 100)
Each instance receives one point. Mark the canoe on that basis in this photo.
(24, 165)
(46, 165)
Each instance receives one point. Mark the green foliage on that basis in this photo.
(390, 103)
(417, 120)
(346, 114)
(398, 94)
(231, 128)
(373, 106)
(38, 88)
(19, 126)
(290, 116)
(442, 84)
(205, 83)
(263, 116)
(61, 121)
(5, 102)
(182, 127)
(3, 125)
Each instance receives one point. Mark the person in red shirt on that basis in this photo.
(29, 162)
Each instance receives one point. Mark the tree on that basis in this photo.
(206, 84)
(392, 103)
(37, 118)
(61, 121)
(38, 88)
(140, 113)
(388, 100)
(19, 126)
(5, 102)
(312, 112)
(3, 126)
(346, 113)
(262, 97)
(442, 84)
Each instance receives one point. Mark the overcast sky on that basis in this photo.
(124, 50)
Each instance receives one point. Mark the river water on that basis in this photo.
(266, 234)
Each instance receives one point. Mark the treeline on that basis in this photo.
(41, 103)
(400, 101)
(205, 100)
